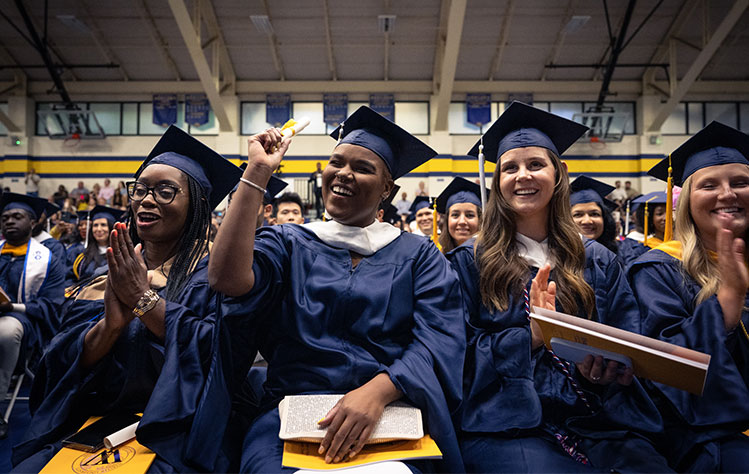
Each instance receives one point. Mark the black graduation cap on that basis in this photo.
(33, 205)
(50, 209)
(83, 215)
(585, 189)
(274, 187)
(716, 144)
(401, 151)
(214, 173)
(459, 190)
(522, 125)
(420, 202)
(111, 214)
(656, 197)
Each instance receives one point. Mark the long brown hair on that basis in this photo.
(446, 240)
(504, 272)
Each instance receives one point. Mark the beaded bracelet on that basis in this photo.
(252, 185)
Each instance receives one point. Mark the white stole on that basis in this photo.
(35, 266)
(535, 253)
(363, 240)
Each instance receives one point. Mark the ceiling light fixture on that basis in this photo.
(262, 23)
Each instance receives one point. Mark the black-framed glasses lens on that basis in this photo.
(162, 193)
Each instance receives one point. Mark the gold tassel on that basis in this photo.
(645, 230)
(435, 222)
(669, 231)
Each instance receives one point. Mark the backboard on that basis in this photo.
(64, 124)
(604, 126)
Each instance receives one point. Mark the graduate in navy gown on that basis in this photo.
(32, 279)
(693, 292)
(524, 409)
(351, 305)
(43, 237)
(78, 242)
(460, 203)
(92, 261)
(146, 326)
(591, 211)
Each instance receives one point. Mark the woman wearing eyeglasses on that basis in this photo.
(143, 330)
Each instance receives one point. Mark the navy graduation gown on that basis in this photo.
(41, 320)
(330, 328)
(56, 247)
(87, 270)
(510, 391)
(140, 374)
(629, 250)
(667, 298)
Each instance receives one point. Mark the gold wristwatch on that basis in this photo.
(146, 303)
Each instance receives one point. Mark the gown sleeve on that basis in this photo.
(669, 314)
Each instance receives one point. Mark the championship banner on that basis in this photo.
(478, 109)
(164, 109)
(277, 109)
(335, 108)
(383, 104)
(197, 109)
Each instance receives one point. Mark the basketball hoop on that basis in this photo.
(72, 141)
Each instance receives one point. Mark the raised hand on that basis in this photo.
(734, 277)
(265, 150)
(542, 295)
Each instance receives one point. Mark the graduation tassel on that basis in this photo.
(482, 176)
(668, 232)
(645, 230)
(435, 222)
(88, 226)
(626, 221)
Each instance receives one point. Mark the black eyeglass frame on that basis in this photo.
(130, 186)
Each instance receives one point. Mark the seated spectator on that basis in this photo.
(106, 193)
(80, 193)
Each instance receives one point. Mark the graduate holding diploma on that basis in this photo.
(524, 409)
(351, 305)
(693, 292)
(145, 327)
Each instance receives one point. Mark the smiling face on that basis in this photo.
(462, 221)
(659, 219)
(424, 220)
(589, 219)
(719, 197)
(526, 180)
(355, 181)
(100, 231)
(157, 222)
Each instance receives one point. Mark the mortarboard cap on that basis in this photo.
(50, 209)
(274, 187)
(391, 214)
(656, 197)
(83, 215)
(401, 151)
(111, 214)
(33, 205)
(459, 190)
(420, 202)
(584, 189)
(716, 144)
(522, 126)
(215, 174)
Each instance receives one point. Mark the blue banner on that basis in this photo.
(197, 109)
(164, 109)
(383, 104)
(478, 109)
(277, 109)
(335, 108)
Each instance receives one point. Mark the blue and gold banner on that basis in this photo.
(164, 109)
(335, 108)
(478, 109)
(277, 109)
(197, 109)
(383, 104)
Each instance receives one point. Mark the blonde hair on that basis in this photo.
(446, 240)
(504, 272)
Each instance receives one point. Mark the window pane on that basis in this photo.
(723, 112)
(566, 109)
(130, 118)
(108, 116)
(541, 105)
(147, 127)
(413, 116)
(313, 111)
(253, 118)
(4, 108)
(694, 110)
(676, 123)
(744, 116)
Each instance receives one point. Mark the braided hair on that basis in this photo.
(193, 241)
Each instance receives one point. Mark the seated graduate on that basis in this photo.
(77, 243)
(45, 238)
(146, 326)
(460, 203)
(288, 209)
(693, 292)
(33, 279)
(518, 396)
(591, 211)
(650, 218)
(351, 305)
(92, 262)
(421, 212)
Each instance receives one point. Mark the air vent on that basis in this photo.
(262, 23)
(386, 23)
